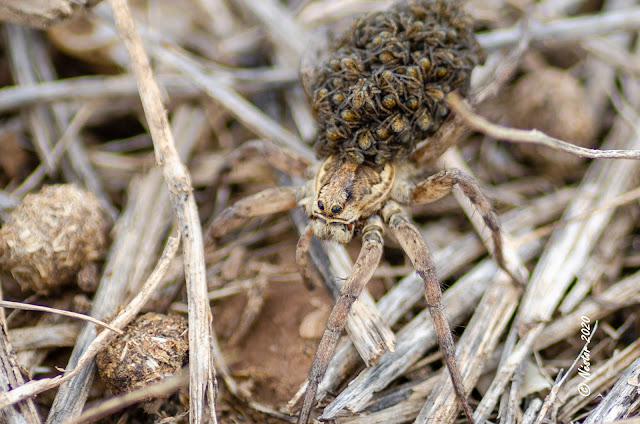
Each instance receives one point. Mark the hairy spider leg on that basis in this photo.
(269, 201)
(440, 184)
(416, 249)
(365, 265)
(266, 202)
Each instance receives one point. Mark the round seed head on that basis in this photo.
(153, 347)
(52, 235)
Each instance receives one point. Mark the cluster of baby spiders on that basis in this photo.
(380, 91)
(382, 87)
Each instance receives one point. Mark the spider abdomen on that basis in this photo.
(382, 87)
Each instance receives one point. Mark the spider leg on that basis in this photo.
(441, 184)
(365, 265)
(269, 201)
(276, 156)
(416, 249)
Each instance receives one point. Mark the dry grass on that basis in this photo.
(227, 72)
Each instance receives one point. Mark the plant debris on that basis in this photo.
(52, 236)
(154, 347)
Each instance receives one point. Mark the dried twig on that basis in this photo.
(202, 375)
(478, 123)
(38, 308)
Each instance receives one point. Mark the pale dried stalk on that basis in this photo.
(281, 27)
(606, 261)
(621, 294)
(78, 121)
(55, 117)
(318, 12)
(218, 89)
(553, 394)
(92, 87)
(11, 378)
(567, 252)
(601, 379)
(43, 337)
(402, 412)
(532, 411)
(600, 77)
(566, 29)
(139, 230)
(86, 88)
(612, 54)
(39, 117)
(202, 375)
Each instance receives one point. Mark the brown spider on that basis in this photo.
(381, 90)
(345, 199)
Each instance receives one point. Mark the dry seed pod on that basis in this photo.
(51, 236)
(153, 347)
(553, 101)
(387, 67)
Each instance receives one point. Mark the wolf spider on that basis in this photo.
(345, 199)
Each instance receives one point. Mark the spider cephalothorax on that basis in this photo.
(346, 193)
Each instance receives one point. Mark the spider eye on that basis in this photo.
(336, 208)
(321, 205)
